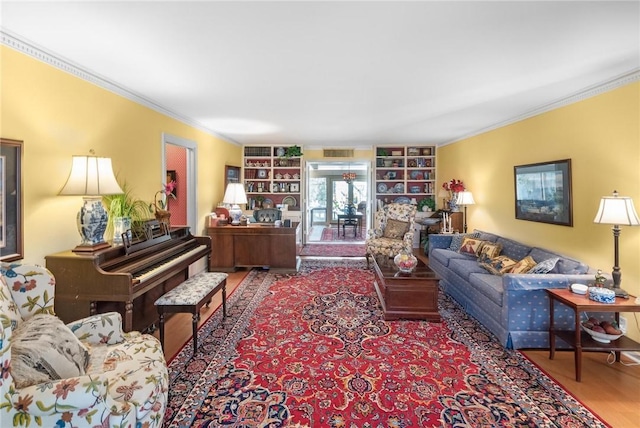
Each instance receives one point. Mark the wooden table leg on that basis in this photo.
(552, 336)
(578, 350)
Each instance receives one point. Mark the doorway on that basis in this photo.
(329, 195)
(178, 160)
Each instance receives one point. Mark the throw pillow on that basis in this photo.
(44, 349)
(524, 265)
(395, 229)
(544, 266)
(499, 265)
(490, 249)
(471, 246)
(456, 240)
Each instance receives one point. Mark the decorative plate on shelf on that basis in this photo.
(398, 188)
(402, 200)
(417, 175)
(262, 173)
(267, 203)
(382, 188)
(290, 201)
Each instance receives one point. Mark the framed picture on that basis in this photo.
(231, 174)
(543, 192)
(294, 187)
(172, 176)
(11, 233)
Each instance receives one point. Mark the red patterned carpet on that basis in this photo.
(313, 350)
(330, 234)
(333, 250)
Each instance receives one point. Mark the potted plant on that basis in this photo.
(124, 210)
(427, 204)
(293, 151)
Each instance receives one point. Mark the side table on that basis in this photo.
(581, 340)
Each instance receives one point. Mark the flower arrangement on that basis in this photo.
(165, 192)
(453, 186)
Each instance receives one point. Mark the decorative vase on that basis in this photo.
(405, 261)
(121, 225)
(453, 203)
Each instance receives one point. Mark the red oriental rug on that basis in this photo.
(331, 250)
(312, 350)
(331, 234)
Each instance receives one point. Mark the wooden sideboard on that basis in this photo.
(255, 245)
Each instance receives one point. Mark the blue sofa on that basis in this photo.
(514, 307)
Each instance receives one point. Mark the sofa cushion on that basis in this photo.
(456, 240)
(498, 265)
(395, 229)
(489, 285)
(444, 256)
(513, 249)
(524, 265)
(45, 349)
(471, 246)
(486, 236)
(465, 267)
(490, 249)
(565, 265)
(544, 266)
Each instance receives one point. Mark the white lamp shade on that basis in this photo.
(235, 194)
(617, 210)
(91, 175)
(465, 198)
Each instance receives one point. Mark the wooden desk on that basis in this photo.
(255, 245)
(354, 220)
(581, 340)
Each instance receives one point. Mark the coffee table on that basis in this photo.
(406, 295)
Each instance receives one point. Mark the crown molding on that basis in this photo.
(591, 91)
(31, 49)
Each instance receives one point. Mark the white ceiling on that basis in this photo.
(338, 74)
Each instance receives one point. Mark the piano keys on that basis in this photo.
(126, 278)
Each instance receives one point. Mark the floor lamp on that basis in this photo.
(617, 210)
(465, 198)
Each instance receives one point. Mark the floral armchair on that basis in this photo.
(393, 231)
(123, 384)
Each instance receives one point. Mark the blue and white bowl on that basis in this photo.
(602, 295)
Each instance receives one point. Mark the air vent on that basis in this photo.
(338, 153)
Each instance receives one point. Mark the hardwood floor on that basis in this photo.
(611, 391)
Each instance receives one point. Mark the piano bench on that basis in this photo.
(190, 296)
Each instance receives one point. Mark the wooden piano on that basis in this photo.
(126, 278)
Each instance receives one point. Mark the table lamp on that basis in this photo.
(235, 195)
(91, 177)
(617, 210)
(465, 198)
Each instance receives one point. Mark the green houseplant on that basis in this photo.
(124, 211)
(428, 203)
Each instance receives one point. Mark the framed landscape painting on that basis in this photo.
(11, 233)
(543, 192)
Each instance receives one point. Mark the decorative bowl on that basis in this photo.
(602, 337)
(579, 288)
(406, 262)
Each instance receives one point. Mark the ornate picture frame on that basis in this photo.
(231, 174)
(11, 214)
(543, 192)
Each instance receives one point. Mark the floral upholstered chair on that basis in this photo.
(85, 373)
(392, 232)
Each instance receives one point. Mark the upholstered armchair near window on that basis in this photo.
(393, 231)
(85, 373)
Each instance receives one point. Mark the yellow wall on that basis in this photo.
(601, 136)
(58, 115)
